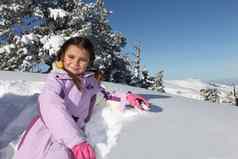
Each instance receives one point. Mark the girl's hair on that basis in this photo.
(81, 42)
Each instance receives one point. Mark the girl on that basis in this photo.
(65, 105)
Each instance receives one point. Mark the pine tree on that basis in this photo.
(45, 21)
(147, 81)
(210, 94)
(235, 95)
(136, 67)
(138, 62)
(158, 82)
(234, 90)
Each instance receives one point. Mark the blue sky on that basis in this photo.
(185, 38)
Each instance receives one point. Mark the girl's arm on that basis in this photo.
(126, 98)
(55, 115)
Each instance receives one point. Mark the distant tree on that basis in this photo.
(147, 81)
(158, 82)
(137, 68)
(137, 78)
(234, 90)
(235, 95)
(210, 94)
(121, 72)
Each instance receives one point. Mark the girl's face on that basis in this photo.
(76, 59)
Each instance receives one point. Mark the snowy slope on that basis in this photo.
(175, 128)
(190, 88)
(185, 129)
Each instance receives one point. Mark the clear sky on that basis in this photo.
(185, 38)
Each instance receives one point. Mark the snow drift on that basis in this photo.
(175, 128)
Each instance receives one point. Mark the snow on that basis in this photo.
(28, 38)
(175, 127)
(13, 6)
(2, 22)
(52, 43)
(55, 13)
(6, 49)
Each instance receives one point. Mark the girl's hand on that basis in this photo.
(137, 101)
(84, 151)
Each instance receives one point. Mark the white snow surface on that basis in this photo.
(175, 127)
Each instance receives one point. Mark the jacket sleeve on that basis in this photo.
(55, 115)
(115, 96)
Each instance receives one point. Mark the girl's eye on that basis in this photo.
(84, 60)
(70, 56)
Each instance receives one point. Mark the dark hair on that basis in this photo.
(81, 42)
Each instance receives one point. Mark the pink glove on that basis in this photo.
(83, 151)
(137, 101)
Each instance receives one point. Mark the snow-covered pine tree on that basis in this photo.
(158, 82)
(136, 66)
(210, 94)
(52, 22)
(147, 81)
(121, 73)
(138, 62)
(235, 95)
(234, 90)
(18, 52)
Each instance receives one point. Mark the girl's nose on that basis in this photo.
(76, 62)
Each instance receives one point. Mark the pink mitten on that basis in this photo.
(137, 101)
(83, 151)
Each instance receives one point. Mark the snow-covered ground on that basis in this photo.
(175, 128)
(190, 88)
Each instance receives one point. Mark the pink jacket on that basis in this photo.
(54, 132)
